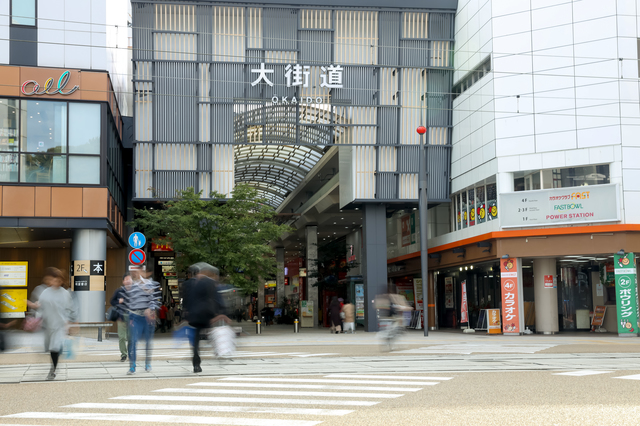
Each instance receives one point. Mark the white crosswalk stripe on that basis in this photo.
(633, 377)
(582, 373)
(303, 398)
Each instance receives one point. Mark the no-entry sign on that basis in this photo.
(137, 257)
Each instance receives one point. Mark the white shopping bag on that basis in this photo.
(224, 340)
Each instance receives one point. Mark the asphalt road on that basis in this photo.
(419, 398)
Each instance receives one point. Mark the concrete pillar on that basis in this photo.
(311, 240)
(89, 262)
(374, 260)
(546, 299)
(279, 275)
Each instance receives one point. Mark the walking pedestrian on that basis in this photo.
(186, 288)
(162, 314)
(117, 301)
(141, 301)
(205, 305)
(58, 310)
(170, 317)
(334, 307)
(349, 320)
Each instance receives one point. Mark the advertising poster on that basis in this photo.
(448, 293)
(405, 289)
(13, 303)
(493, 326)
(548, 281)
(13, 274)
(464, 312)
(510, 296)
(359, 302)
(417, 289)
(598, 315)
(626, 294)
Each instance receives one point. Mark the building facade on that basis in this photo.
(62, 176)
(544, 163)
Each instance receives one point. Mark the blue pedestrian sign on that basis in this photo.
(137, 240)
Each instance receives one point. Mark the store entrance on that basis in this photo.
(575, 300)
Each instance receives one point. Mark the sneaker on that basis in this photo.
(123, 358)
(197, 369)
(131, 371)
(51, 376)
(147, 368)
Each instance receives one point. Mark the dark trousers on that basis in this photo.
(196, 346)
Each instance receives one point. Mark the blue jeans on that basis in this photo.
(139, 326)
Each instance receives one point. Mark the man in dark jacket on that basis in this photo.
(186, 288)
(203, 303)
(117, 301)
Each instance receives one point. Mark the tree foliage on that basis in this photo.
(231, 234)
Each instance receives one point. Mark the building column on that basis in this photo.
(279, 274)
(311, 240)
(374, 260)
(89, 262)
(546, 298)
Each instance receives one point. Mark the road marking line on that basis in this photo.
(240, 399)
(364, 376)
(159, 418)
(634, 377)
(312, 380)
(300, 386)
(582, 373)
(221, 408)
(310, 355)
(284, 393)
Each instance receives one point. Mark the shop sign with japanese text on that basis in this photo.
(464, 313)
(626, 294)
(579, 204)
(510, 296)
(297, 75)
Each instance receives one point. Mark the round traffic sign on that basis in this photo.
(137, 257)
(137, 240)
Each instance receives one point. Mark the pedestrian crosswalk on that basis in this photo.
(188, 353)
(582, 373)
(246, 401)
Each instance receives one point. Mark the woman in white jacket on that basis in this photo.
(57, 309)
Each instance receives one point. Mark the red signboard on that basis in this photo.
(406, 230)
(464, 313)
(161, 247)
(510, 297)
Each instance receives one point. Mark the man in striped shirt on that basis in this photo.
(142, 299)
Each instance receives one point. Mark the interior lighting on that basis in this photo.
(461, 268)
(471, 267)
(466, 267)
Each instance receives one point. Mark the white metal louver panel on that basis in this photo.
(143, 167)
(222, 176)
(254, 28)
(356, 37)
(365, 166)
(415, 25)
(414, 85)
(315, 19)
(169, 156)
(228, 34)
(408, 186)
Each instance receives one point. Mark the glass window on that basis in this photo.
(43, 168)
(481, 212)
(8, 125)
(84, 128)
(44, 127)
(23, 12)
(492, 202)
(581, 176)
(464, 209)
(8, 167)
(472, 208)
(83, 169)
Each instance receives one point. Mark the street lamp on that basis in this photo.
(422, 206)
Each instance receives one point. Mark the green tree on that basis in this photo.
(232, 234)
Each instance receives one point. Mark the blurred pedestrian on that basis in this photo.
(117, 301)
(141, 301)
(58, 310)
(205, 305)
(170, 317)
(334, 315)
(349, 320)
(185, 288)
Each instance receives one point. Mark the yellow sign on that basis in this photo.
(270, 284)
(14, 274)
(13, 300)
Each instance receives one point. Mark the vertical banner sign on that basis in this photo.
(626, 294)
(464, 313)
(448, 293)
(510, 296)
(406, 230)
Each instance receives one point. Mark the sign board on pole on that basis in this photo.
(137, 240)
(13, 303)
(626, 294)
(306, 313)
(510, 295)
(13, 274)
(137, 257)
(464, 313)
(494, 326)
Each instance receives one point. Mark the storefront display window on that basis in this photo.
(472, 208)
(481, 212)
(458, 212)
(492, 202)
(464, 209)
(575, 296)
(580, 176)
(46, 129)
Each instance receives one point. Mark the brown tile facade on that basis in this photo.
(18, 201)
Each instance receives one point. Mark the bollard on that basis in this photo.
(296, 326)
(258, 327)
